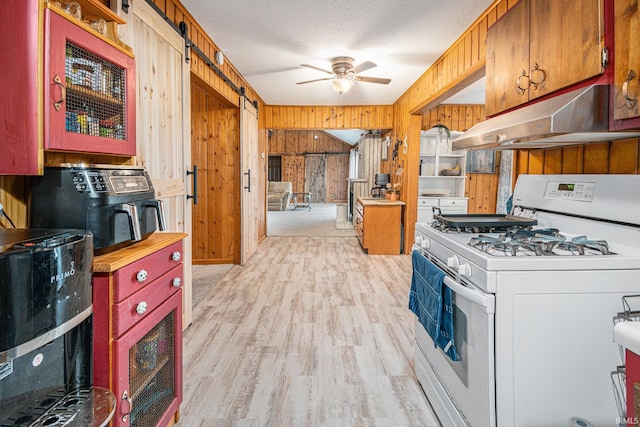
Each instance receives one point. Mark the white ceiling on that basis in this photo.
(267, 41)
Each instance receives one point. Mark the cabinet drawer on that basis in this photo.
(137, 275)
(125, 313)
(453, 202)
(427, 202)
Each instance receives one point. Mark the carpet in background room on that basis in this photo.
(319, 221)
(205, 277)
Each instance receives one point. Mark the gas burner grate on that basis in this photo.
(538, 242)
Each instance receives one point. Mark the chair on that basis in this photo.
(279, 195)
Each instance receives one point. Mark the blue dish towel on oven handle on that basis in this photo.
(431, 300)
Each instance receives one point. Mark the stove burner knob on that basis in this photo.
(425, 243)
(141, 308)
(452, 262)
(141, 276)
(176, 282)
(464, 270)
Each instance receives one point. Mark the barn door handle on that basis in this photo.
(248, 187)
(631, 102)
(195, 185)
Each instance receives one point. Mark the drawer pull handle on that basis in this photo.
(176, 282)
(142, 275)
(125, 396)
(176, 256)
(141, 308)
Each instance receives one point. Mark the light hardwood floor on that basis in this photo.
(310, 332)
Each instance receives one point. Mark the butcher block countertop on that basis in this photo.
(115, 260)
(375, 201)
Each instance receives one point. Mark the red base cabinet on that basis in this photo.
(137, 303)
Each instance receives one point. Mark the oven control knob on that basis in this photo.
(141, 308)
(142, 275)
(176, 256)
(425, 243)
(464, 270)
(418, 239)
(452, 262)
(176, 282)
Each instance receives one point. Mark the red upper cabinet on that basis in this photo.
(89, 91)
(20, 116)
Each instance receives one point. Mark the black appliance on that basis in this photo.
(116, 203)
(381, 181)
(46, 320)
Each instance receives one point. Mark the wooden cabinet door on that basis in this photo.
(507, 58)
(542, 46)
(627, 60)
(89, 92)
(567, 38)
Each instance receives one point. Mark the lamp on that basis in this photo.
(342, 84)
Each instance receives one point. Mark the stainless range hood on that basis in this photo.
(576, 117)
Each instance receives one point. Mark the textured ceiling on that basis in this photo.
(268, 40)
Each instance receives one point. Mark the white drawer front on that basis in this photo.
(453, 202)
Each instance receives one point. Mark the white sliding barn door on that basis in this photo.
(250, 164)
(163, 124)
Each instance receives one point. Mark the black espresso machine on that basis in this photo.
(116, 203)
(45, 322)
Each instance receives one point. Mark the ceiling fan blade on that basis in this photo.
(316, 80)
(367, 65)
(316, 68)
(373, 80)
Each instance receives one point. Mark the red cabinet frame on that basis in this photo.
(59, 30)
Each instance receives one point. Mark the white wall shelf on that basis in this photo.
(435, 187)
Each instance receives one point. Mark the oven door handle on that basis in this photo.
(487, 301)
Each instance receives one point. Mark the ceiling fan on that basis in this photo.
(344, 74)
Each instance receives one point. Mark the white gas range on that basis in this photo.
(533, 310)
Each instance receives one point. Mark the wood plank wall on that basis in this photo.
(294, 145)
(615, 157)
(367, 117)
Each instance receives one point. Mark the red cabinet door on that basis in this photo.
(148, 368)
(20, 115)
(89, 91)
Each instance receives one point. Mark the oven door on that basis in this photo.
(461, 392)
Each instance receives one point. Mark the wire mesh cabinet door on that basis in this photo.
(89, 91)
(148, 367)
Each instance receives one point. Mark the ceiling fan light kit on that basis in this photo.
(342, 84)
(344, 74)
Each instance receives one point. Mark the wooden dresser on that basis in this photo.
(378, 224)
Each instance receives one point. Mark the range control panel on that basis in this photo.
(578, 191)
